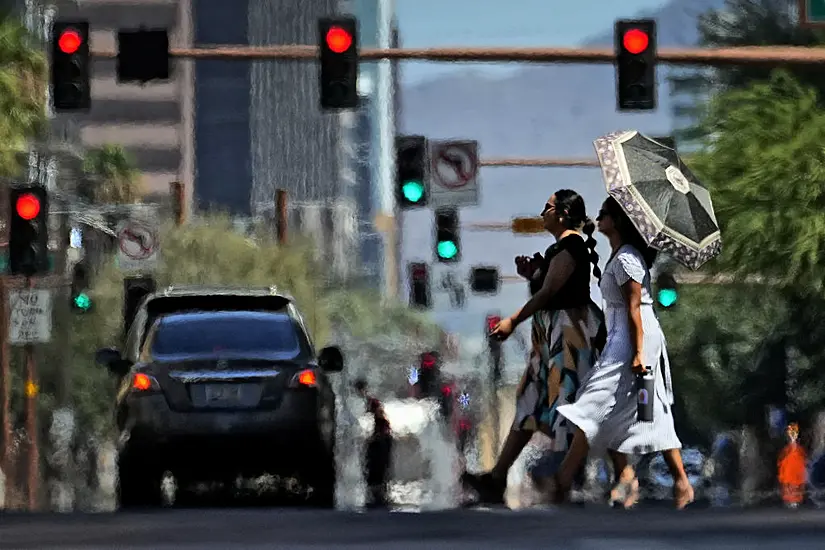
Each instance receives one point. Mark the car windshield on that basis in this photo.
(240, 334)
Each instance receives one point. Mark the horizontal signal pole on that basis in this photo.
(758, 55)
(540, 162)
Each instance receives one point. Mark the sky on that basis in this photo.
(432, 23)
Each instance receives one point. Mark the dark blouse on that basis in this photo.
(576, 290)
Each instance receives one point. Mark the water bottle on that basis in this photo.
(644, 396)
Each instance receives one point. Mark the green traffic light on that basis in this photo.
(413, 191)
(447, 250)
(82, 302)
(668, 297)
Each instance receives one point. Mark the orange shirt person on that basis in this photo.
(792, 469)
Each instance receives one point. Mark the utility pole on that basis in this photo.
(178, 192)
(281, 216)
(5, 380)
(32, 390)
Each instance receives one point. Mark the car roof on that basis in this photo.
(218, 290)
(187, 316)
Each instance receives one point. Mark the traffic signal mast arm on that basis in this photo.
(717, 57)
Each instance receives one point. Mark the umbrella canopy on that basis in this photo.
(663, 199)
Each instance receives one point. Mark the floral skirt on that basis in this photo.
(565, 346)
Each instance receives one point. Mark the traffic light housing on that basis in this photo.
(447, 241)
(428, 373)
(70, 66)
(485, 280)
(635, 64)
(411, 181)
(143, 55)
(667, 291)
(134, 290)
(28, 230)
(81, 301)
(338, 45)
(420, 295)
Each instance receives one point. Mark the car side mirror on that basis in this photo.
(112, 360)
(331, 359)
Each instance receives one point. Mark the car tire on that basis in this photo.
(322, 480)
(139, 483)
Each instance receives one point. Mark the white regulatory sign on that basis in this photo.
(31, 316)
(137, 246)
(453, 173)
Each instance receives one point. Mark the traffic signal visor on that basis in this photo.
(28, 206)
(69, 41)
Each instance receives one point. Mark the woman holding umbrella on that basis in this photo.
(655, 204)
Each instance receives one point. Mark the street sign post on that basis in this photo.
(137, 246)
(453, 173)
(812, 13)
(31, 316)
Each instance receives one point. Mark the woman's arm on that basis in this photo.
(558, 272)
(632, 292)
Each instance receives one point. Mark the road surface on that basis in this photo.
(592, 528)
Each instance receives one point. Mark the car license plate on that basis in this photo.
(222, 394)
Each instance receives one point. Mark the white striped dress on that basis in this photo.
(605, 407)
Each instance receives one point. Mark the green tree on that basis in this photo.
(742, 23)
(111, 176)
(22, 92)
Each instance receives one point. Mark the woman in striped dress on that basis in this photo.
(604, 412)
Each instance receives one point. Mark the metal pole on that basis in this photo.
(281, 215)
(5, 379)
(33, 470)
(540, 162)
(744, 55)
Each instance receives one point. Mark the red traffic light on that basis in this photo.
(70, 41)
(427, 361)
(419, 272)
(492, 321)
(635, 41)
(447, 390)
(338, 39)
(28, 206)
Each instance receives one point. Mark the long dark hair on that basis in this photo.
(571, 205)
(628, 232)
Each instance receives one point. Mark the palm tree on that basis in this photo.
(112, 176)
(22, 92)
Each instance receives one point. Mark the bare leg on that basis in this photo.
(626, 487)
(515, 442)
(573, 460)
(682, 491)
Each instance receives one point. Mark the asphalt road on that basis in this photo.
(570, 529)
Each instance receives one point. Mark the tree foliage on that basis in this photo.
(765, 167)
(22, 92)
(744, 23)
(112, 176)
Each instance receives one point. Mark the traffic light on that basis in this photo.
(411, 181)
(134, 290)
(485, 280)
(667, 293)
(446, 400)
(70, 66)
(338, 43)
(447, 242)
(142, 55)
(28, 230)
(428, 373)
(419, 285)
(636, 65)
(80, 302)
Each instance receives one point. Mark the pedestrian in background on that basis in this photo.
(379, 449)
